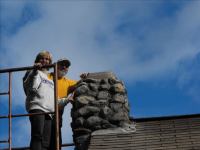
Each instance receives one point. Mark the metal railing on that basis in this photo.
(10, 115)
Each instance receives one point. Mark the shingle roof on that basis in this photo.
(162, 133)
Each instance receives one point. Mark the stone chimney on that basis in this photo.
(100, 107)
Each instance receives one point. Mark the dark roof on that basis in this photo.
(169, 133)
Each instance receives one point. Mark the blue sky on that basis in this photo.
(153, 46)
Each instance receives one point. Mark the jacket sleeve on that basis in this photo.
(72, 86)
(31, 81)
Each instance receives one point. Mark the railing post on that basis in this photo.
(10, 111)
(56, 108)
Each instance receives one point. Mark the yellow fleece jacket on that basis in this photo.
(63, 84)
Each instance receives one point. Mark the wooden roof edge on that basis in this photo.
(164, 118)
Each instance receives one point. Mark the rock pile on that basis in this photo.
(99, 103)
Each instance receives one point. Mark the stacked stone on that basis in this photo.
(99, 103)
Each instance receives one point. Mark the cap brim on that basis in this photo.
(65, 62)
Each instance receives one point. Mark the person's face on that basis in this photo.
(62, 70)
(44, 60)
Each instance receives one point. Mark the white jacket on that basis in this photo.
(39, 91)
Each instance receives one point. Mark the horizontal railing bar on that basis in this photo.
(4, 93)
(23, 68)
(18, 148)
(28, 148)
(4, 141)
(22, 115)
(68, 144)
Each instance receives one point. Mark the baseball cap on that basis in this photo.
(64, 62)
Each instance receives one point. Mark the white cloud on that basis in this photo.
(69, 29)
(189, 78)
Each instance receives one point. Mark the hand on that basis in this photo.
(62, 102)
(84, 75)
(37, 66)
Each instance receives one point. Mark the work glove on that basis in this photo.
(84, 75)
(62, 102)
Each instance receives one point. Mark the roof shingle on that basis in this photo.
(169, 133)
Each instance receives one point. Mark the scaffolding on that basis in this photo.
(9, 116)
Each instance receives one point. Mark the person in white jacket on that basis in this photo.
(39, 90)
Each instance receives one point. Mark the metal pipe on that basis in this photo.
(10, 110)
(22, 68)
(10, 116)
(28, 148)
(68, 144)
(56, 108)
(4, 93)
(31, 114)
(4, 141)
